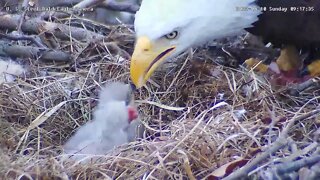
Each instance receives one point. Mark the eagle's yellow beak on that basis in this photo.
(146, 58)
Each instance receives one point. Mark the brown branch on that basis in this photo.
(120, 6)
(37, 26)
(88, 3)
(296, 89)
(283, 170)
(296, 165)
(33, 52)
(107, 4)
(25, 5)
(23, 37)
(22, 18)
(80, 5)
(278, 144)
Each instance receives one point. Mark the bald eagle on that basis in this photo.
(166, 28)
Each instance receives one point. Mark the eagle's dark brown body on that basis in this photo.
(300, 28)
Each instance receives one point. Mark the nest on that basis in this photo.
(202, 120)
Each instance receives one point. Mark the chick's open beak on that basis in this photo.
(146, 58)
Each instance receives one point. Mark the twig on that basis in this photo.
(295, 165)
(80, 5)
(33, 52)
(186, 165)
(120, 6)
(190, 56)
(25, 5)
(108, 4)
(278, 144)
(296, 89)
(23, 37)
(33, 25)
(302, 152)
(87, 3)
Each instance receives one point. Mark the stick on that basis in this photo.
(278, 144)
(80, 5)
(296, 165)
(23, 37)
(118, 6)
(107, 4)
(33, 25)
(33, 52)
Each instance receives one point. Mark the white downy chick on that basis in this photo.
(108, 129)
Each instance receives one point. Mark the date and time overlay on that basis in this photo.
(242, 8)
(277, 9)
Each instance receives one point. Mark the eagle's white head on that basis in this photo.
(165, 28)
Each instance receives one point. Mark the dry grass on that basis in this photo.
(194, 120)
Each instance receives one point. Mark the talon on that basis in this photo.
(312, 69)
(256, 65)
(289, 59)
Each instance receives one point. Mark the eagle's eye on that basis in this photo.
(172, 35)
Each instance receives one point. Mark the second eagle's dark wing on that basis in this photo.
(300, 28)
